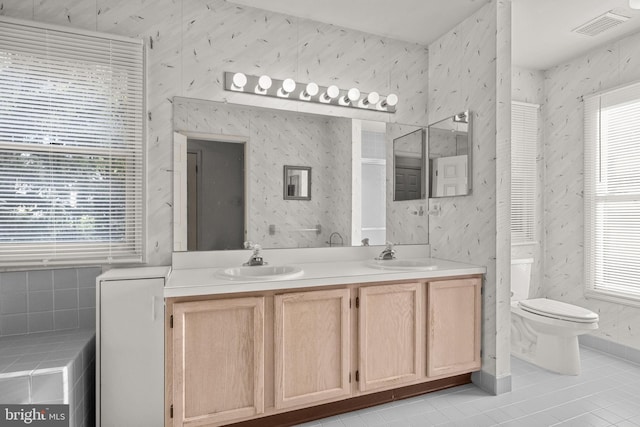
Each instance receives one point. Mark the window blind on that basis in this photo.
(71, 146)
(524, 141)
(612, 193)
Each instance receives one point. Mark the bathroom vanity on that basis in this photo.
(289, 347)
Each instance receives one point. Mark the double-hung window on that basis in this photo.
(524, 148)
(612, 194)
(71, 146)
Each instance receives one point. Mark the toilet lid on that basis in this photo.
(558, 310)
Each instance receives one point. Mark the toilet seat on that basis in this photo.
(558, 310)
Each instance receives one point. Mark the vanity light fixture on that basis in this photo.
(331, 93)
(634, 4)
(264, 85)
(239, 81)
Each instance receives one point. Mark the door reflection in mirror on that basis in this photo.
(450, 156)
(215, 189)
(409, 166)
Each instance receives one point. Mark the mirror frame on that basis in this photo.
(288, 168)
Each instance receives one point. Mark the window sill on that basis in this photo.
(624, 299)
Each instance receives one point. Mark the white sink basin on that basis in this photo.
(260, 273)
(424, 264)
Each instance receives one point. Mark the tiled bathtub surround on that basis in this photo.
(52, 367)
(47, 300)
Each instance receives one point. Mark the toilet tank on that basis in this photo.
(520, 278)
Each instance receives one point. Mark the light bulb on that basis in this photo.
(311, 89)
(331, 93)
(288, 86)
(264, 82)
(372, 98)
(239, 81)
(391, 101)
(352, 95)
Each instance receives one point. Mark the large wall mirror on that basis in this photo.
(450, 161)
(347, 203)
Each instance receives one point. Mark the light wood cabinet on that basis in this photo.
(390, 332)
(311, 347)
(267, 354)
(453, 341)
(218, 359)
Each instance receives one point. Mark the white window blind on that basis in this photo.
(71, 146)
(612, 194)
(524, 141)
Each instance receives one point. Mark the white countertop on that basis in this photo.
(204, 281)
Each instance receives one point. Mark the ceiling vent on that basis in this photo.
(601, 24)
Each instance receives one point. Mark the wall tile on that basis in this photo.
(40, 301)
(14, 390)
(13, 282)
(65, 319)
(65, 279)
(87, 297)
(13, 324)
(87, 276)
(87, 318)
(40, 280)
(40, 322)
(13, 303)
(65, 299)
(47, 387)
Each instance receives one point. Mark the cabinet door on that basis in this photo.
(390, 335)
(453, 342)
(218, 366)
(130, 358)
(311, 347)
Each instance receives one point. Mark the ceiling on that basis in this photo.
(542, 34)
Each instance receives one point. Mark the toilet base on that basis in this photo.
(559, 354)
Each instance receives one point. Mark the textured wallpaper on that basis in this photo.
(610, 66)
(190, 43)
(465, 73)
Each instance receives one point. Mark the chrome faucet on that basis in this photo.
(387, 253)
(255, 258)
(335, 233)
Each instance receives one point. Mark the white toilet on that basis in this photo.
(544, 331)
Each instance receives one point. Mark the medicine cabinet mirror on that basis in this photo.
(409, 167)
(450, 160)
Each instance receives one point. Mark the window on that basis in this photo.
(71, 146)
(524, 141)
(612, 194)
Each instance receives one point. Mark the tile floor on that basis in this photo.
(607, 393)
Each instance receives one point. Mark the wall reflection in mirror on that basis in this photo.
(348, 202)
(450, 159)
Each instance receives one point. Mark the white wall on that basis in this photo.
(607, 67)
(192, 42)
(470, 68)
